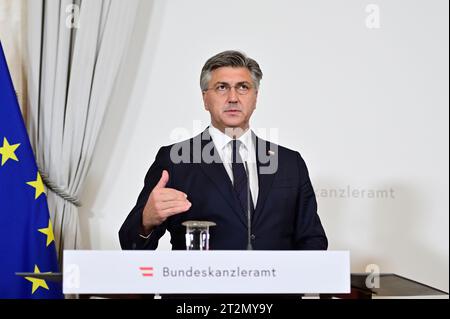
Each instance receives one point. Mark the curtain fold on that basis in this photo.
(71, 75)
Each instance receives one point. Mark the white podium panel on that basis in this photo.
(180, 272)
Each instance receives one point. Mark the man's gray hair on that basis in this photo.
(233, 59)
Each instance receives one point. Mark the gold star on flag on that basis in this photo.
(7, 151)
(36, 281)
(38, 185)
(49, 232)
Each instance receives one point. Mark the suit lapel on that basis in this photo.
(218, 175)
(264, 180)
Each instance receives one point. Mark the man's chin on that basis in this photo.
(234, 123)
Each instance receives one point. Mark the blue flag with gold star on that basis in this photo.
(27, 242)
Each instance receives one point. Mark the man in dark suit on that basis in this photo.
(228, 176)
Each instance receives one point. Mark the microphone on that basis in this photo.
(249, 212)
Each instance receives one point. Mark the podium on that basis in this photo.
(206, 272)
(140, 274)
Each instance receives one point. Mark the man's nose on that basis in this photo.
(232, 95)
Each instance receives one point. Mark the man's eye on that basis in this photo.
(221, 87)
(244, 87)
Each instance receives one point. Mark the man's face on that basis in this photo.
(230, 98)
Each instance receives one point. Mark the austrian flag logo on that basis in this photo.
(146, 271)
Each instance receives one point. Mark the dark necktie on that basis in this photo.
(240, 180)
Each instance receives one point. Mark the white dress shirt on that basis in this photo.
(247, 150)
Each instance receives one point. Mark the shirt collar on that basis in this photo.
(221, 139)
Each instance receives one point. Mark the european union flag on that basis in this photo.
(27, 243)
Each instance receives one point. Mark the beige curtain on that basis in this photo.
(75, 50)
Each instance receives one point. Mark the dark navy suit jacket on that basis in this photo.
(285, 216)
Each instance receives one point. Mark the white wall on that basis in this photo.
(12, 31)
(367, 108)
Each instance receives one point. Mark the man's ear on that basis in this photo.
(204, 101)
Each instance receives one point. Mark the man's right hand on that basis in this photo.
(162, 203)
